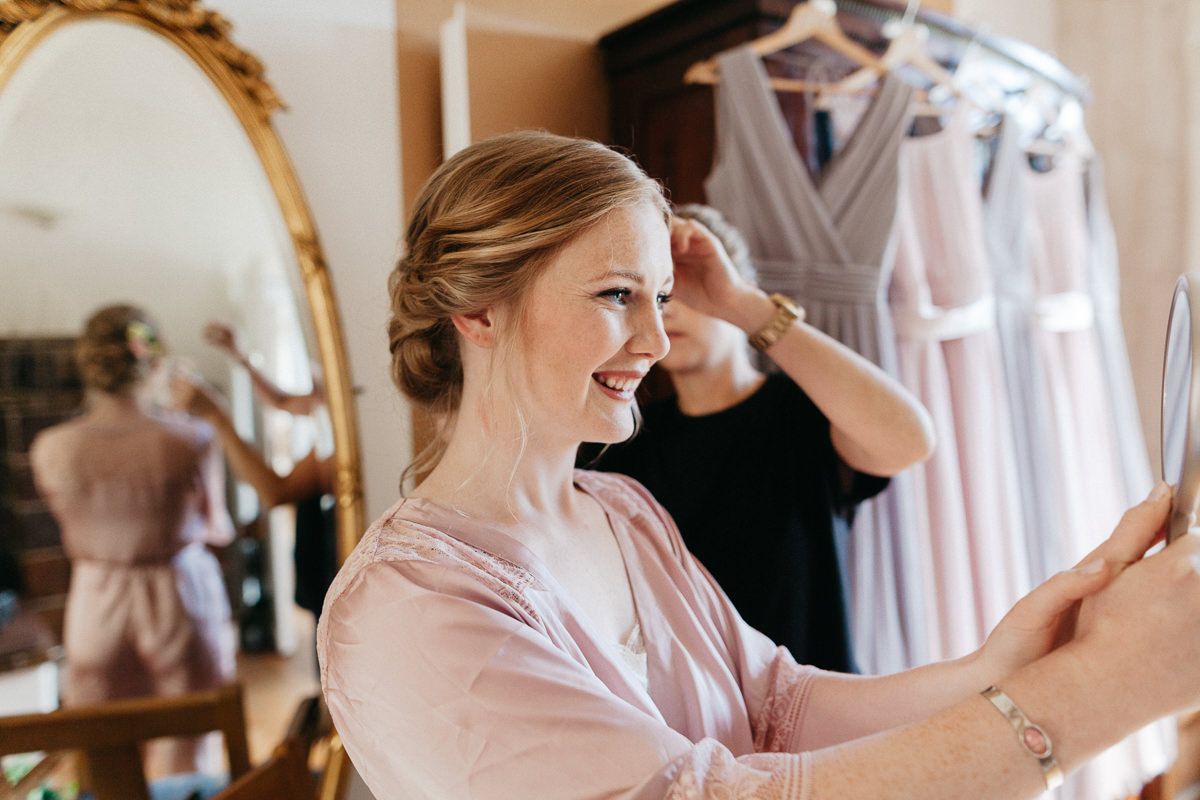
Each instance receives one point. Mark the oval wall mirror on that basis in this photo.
(140, 166)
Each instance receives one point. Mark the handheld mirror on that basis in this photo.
(1181, 405)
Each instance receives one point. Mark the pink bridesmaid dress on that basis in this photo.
(1083, 426)
(949, 353)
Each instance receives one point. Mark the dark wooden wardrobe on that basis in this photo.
(667, 124)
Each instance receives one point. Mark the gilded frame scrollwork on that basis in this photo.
(204, 35)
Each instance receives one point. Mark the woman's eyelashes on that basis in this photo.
(621, 296)
(618, 297)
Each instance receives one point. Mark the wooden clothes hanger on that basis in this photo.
(816, 19)
(908, 47)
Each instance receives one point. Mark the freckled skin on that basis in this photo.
(582, 318)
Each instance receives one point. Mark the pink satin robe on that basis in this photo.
(147, 612)
(455, 666)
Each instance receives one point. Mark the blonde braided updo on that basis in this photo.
(482, 229)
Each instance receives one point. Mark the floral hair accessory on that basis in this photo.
(142, 339)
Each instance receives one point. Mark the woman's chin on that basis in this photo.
(613, 433)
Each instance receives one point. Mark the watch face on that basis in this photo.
(785, 303)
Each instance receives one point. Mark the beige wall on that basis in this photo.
(530, 65)
(1033, 21)
(1136, 56)
(530, 61)
(547, 82)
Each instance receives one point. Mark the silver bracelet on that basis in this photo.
(1032, 737)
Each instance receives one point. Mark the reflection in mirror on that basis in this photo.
(128, 179)
(1180, 427)
(1177, 372)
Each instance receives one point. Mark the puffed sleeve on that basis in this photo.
(439, 689)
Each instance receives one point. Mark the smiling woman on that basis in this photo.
(517, 628)
(472, 256)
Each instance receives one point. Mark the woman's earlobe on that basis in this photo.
(477, 327)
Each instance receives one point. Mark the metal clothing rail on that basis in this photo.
(949, 40)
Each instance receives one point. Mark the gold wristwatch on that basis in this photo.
(786, 313)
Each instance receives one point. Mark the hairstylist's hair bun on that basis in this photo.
(103, 354)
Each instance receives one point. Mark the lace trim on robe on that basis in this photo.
(710, 771)
(403, 540)
(778, 729)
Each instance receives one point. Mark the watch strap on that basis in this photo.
(786, 313)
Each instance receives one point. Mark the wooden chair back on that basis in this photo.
(335, 780)
(108, 735)
(286, 774)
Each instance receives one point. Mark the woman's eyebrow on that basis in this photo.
(635, 277)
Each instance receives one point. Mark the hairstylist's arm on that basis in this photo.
(221, 336)
(877, 426)
(247, 463)
(221, 530)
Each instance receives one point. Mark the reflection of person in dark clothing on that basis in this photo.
(762, 472)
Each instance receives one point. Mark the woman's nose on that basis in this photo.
(650, 338)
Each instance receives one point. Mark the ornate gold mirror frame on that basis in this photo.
(204, 36)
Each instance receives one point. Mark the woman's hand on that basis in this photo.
(191, 397)
(1141, 633)
(705, 279)
(1047, 617)
(220, 335)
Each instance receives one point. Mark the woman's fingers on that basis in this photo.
(690, 238)
(1139, 529)
(1044, 605)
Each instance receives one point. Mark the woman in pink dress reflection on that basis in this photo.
(138, 494)
(517, 628)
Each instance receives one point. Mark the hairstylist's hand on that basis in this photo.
(705, 279)
(220, 335)
(1046, 617)
(191, 397)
